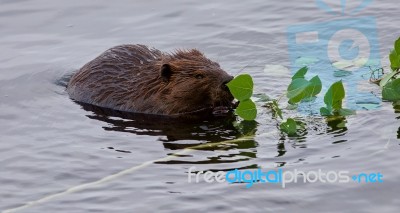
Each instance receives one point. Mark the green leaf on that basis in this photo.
(333, 100)
(262, 97)
(247, 110)
(314, 88)
(311, 90)
(386, 78)
(300, 73)
(300, 88)
(276, 109)
(360, 62)
(300, 125)
(241, 87)
(341, 73)
(307, 60)
(391, 91)
(343, 64)
(345, 112)
(295, 91)
(394, 60)
(341, 124)
(334, 96)
(397, 45)
(325, 111)
(289, 126)
(291, 106)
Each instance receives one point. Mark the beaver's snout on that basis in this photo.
(225, 82)
(225, 101)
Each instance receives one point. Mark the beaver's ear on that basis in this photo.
(166, 72)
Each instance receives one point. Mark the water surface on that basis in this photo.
(50, 144)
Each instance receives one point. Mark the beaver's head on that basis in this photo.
(194, 83)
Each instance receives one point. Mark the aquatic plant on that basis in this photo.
(300, 89)
(390, 82)
(241, 88)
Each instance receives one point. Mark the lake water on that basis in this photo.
(50, 147)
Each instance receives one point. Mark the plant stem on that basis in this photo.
(280, 97)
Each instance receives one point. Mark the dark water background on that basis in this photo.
(49, 144)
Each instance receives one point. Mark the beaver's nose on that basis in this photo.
(224, 87)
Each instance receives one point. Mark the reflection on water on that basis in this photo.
(212, 140)
(396, 107)
(192, 127)
(202, 132)
(337, 125)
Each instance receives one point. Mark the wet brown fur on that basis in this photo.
(135, 78)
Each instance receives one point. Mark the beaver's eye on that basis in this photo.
(199, 76)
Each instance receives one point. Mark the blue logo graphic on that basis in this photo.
(342, 49)
(324, 6)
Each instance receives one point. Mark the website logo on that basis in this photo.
(283, 178)
(342, 48)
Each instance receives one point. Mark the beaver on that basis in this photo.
(139, 79)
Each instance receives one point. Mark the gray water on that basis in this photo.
(50, 146)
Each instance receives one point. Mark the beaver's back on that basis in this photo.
(117, 73)
(134, 78)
